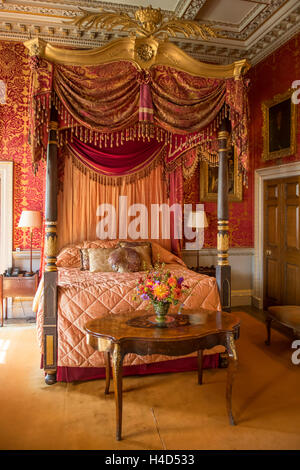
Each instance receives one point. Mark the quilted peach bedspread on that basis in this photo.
(83, 296)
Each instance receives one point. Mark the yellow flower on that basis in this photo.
(161, 291)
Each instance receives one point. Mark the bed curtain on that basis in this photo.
(111, 104)
(121, 127)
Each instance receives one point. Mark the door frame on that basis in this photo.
(260, 176)
(6, 214)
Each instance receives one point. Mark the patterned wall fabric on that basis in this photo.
(240, 215)
(28, 189)
(272, 76)
(269, 78)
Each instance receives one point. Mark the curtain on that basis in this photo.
(184, 103)
(132, 160)
(116, 102)
(103, 97)
(81, 196)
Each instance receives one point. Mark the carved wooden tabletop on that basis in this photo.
(135, 332)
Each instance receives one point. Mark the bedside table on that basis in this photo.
(206, 270)
(19, 286)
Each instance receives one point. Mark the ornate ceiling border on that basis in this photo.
(223, 51)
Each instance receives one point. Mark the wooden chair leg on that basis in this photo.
(268, 325)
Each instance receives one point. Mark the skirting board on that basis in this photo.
(241, 298)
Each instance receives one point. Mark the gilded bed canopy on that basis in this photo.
(140, 88)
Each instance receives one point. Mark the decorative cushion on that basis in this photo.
(69, 257)
(85, 261)
(161, 255)
(125, 260)
(97, 244)
(144, 251)
(98, 259)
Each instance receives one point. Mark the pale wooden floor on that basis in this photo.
(165, 411)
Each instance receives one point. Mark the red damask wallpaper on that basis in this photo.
(28, 189)
(240, 226)
(272, 76)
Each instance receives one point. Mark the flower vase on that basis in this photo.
(161, 309)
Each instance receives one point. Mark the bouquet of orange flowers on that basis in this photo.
(161, 287)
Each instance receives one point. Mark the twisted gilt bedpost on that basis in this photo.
(50, 275)
(223, 269)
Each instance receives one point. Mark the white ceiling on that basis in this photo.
(226, 11)
(163, 4)
(248, 29)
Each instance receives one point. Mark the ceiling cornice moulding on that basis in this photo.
(20, 21)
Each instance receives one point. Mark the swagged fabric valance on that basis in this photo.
(107, 111)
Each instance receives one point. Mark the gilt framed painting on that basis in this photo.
(209, 180)
(279, 126)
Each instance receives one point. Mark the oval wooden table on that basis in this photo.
(135, 332)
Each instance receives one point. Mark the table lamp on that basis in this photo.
(31, 220)
(197, 220)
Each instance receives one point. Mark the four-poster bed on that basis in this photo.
(88, 104)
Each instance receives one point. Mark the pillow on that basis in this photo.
(97, 244)
(85, 262)
(161, 255)
(84, 246)
(143, 249)
(69, 257)
(125, 260)
(98, 259)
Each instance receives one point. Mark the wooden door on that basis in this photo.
(282, 242)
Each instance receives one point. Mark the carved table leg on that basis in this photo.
(268, 325)
(117, 359)
(232, 367)
(107, 372)
(200, 369)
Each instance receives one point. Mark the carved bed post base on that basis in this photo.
(223, 277)
(50, 377)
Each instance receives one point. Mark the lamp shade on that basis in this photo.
(30, 219)
(197, 220)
